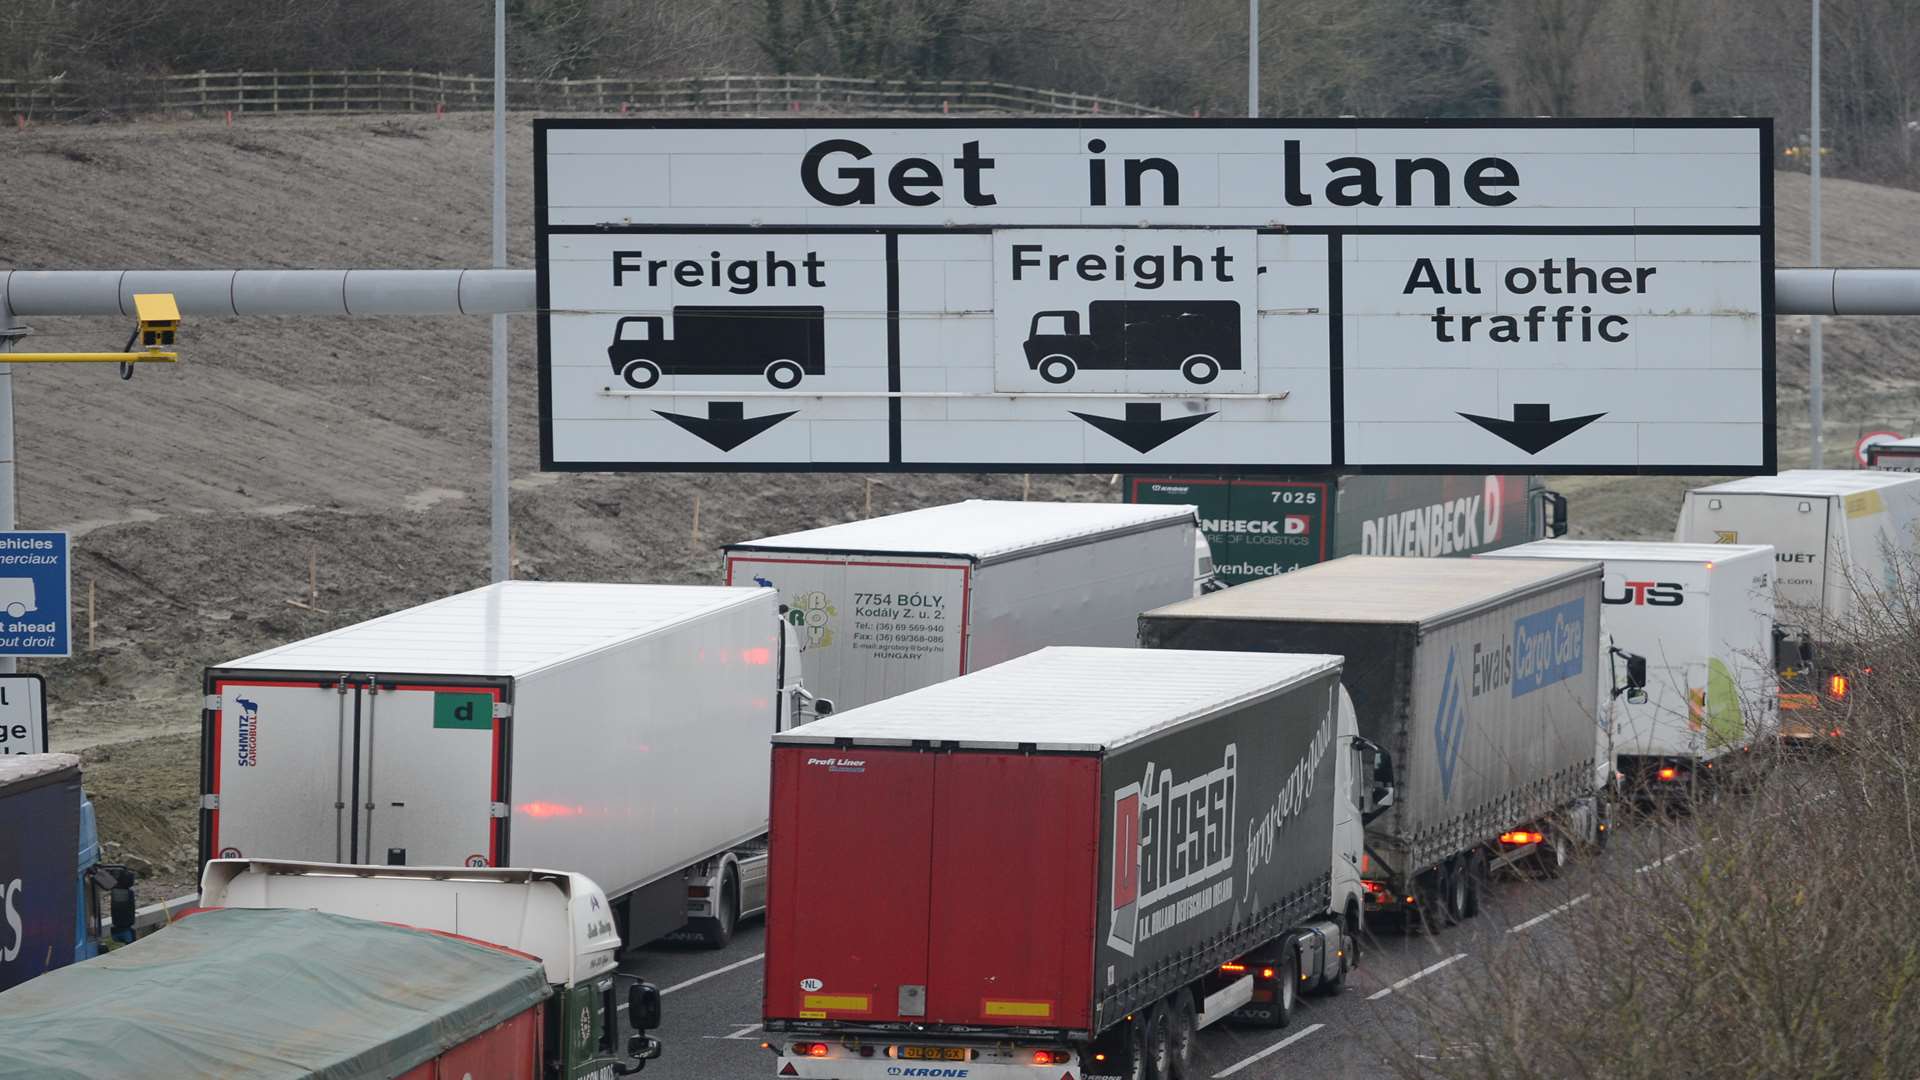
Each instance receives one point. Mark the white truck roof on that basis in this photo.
(1069, 698)
(1641, 550)
(511, 629)
(979, 529)
(1910, 443)
(1381, 589)
(1814, 482)
(19, 768)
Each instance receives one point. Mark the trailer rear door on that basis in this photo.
(430, 770)
(1796, 526)
(1020, 957)
(277, 768)
(851, 835)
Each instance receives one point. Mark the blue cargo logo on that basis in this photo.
(1549, 646)
(1449, 726)
(247, 735)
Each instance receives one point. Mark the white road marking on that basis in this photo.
(1274, 1049)
(1544, 916)
(1664, 860)
(743, 1033)
(1421, 974)
(679, 986)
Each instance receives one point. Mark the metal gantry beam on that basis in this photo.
(222, 293)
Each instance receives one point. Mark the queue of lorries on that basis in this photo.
(1109, 806)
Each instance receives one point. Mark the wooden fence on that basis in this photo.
(213, 93)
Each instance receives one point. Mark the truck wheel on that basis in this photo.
(641, 374)
(1183, 1034)
(1476, 882)
(785, 374)
(1160, 1042)
(1287, 988)
(1459, 889)
(1200, 368)
(1057, 368)
(717, 932)
(1140, 1063)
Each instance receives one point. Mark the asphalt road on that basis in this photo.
(711, 1002)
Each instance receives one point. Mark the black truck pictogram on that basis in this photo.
(1197, 338)
(784, 344)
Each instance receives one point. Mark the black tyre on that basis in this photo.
(1185, 1035)
(1160, 1042)
(1457, 889)
(1057, 368)
(785, 374)
(1476, 878)
(1200, 369)
(640, 374)
(1287, 991)
(717, 932)
(1139, 1062)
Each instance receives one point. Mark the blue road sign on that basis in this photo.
(36, 577)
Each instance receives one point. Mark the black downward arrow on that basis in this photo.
(1143, 429)
(726, 425)
(1533, 427)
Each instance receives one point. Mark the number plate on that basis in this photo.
(931, 1053)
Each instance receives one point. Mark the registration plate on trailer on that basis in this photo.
(931, 1053)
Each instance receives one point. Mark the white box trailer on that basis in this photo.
(618, 731)
(1832, 532)
(1702, 616)
(895, 603)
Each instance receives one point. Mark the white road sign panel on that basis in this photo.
(23, 714)
(1573, 296)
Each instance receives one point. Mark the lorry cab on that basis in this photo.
(562, 919)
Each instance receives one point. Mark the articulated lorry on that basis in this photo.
(1092, 854)
(329, 971)
(1474, 675)
(1901, 455)
(1259, 527)
(894, 603)
(1701, 616)
(40, 922)
(613, 730)
(1838, 537)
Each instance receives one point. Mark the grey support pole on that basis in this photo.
(1253, 59)
(502, 570)
(8, 665)
(1816, 413)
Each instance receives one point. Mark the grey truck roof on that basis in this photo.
(1377, 589)
(1811, 482)
(1069, 698)
(512, 628)
(982, 530)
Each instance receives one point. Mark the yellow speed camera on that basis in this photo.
(159, 318)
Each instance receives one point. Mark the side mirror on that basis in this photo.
(1553, 514)
(1380, 786)
(643, 1009)
(1636, 685)
(822, 707)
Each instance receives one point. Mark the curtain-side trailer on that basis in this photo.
(1091, 855)
(614, 730)
(894, 603)
(1473, 674)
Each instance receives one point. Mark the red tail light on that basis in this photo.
(1051, 1057)
(809, 1049)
